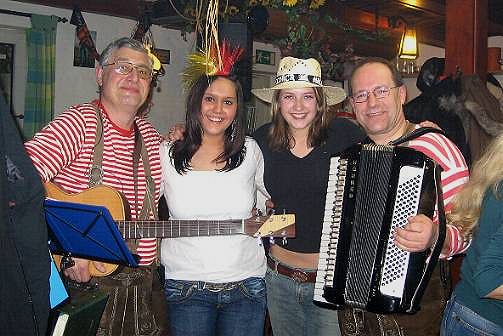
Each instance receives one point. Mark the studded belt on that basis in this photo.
(296, 274)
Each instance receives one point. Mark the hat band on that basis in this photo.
(298, 78)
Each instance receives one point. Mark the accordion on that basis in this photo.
(372, 190)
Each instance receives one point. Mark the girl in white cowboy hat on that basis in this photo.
(297, 146)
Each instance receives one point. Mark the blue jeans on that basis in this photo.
(462, 321)
(292, 311)
(195, 308)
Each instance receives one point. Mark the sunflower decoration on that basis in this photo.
(315, 4)
(290, 3)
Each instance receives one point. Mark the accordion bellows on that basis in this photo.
(371, 191)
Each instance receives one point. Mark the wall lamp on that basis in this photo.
(408, 43)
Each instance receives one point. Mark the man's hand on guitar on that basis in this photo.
(269, 206)
(80, 271)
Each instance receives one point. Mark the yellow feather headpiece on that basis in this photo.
(212, 59)
(210, 63)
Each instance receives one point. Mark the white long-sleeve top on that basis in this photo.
(213, 195)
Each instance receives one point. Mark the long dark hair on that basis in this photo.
(234, 151)
(281, 139)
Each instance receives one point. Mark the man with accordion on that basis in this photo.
(377, 94)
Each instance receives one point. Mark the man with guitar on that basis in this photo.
(108, 142)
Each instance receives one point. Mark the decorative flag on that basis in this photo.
(83, 33)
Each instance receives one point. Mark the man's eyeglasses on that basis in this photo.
(125, 68)
(379, 92)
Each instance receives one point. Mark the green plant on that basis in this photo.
(301, 39)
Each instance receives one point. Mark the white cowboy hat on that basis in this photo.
(296, 73)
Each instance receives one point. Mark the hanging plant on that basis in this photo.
(306, 20)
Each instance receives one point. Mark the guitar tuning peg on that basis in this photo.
(271, 240)
(271, 212)
(284, 241)
(259, 213)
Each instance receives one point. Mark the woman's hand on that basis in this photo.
(428, 123)
(175, 133)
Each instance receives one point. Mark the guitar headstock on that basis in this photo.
(280, 226)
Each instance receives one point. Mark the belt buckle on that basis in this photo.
(218, 287)
(299, 276)
(213, 287)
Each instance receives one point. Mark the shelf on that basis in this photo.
(409, 75)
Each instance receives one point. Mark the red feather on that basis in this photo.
(229, 57)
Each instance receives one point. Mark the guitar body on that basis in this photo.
(100, 195)
(258, 226)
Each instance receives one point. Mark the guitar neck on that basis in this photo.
(175, 228)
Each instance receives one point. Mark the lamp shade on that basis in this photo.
(408, 44)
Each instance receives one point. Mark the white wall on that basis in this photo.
(77, 84)
(263, 76)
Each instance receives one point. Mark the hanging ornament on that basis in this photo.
(85, 39)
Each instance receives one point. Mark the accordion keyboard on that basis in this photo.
(331, 225)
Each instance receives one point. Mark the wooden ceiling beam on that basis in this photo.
(356, 18)
(427, 6)
(466, 37)
(126, 9)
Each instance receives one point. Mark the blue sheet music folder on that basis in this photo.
(87, 231)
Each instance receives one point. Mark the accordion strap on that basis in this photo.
(437, 247)
(416, 134)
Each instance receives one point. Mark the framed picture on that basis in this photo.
(163, 55)
(265, 57)
(81, 55)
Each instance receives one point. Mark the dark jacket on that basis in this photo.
(24, 255)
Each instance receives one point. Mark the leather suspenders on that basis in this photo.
(140, 151)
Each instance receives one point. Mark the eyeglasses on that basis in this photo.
(125, 68)
(379, 92)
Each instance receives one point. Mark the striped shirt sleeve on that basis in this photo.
(454, 175)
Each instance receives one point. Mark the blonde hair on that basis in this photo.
(486, 174)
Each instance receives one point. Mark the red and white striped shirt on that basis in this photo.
(62, 153)
(454, 175)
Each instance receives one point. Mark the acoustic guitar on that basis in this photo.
(260, 226)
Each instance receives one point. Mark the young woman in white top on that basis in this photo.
(214, 285)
